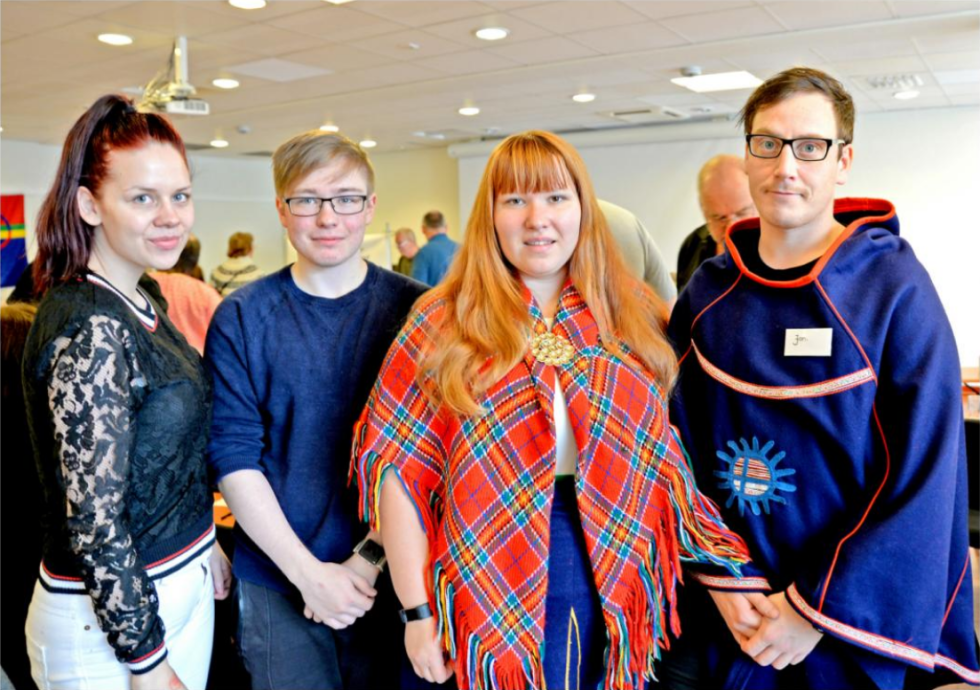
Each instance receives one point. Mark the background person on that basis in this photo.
(239, 269)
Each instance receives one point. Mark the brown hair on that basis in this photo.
(312, 150)
(797, 80)
(434, 220)
(239, 244)
(484, 331)
(64, 239)
(15, 323)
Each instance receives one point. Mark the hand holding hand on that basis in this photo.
(334, 594)
(743, 611)
(784, 641)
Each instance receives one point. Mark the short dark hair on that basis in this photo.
(64, 239)
(797, 80)
(434, 219)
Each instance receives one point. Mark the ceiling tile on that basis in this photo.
(811, 15)
(420, 12)
(544, 51)
(584, 15)
(660, 10)
(333, 23)
(946, 42)
(897, 65)
(338, 58)
(278, 70)
(748, 21)
(462, 30)
(468, 62)
(396, 45)
(844, 50)
(969, 59)
(910, 8)
(263, 39)
(626, 39)
(775, 60)
(179, 18)
(31, 17)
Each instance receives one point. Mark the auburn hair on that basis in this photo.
(485, 325)
(64, 239)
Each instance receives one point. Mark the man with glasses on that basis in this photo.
(723, 191)
(819, 400)
(293, 356)
(407, 248)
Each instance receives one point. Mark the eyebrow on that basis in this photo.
(140, 188)
(342, 190)
(770, 133)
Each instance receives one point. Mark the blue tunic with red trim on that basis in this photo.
(843, 468)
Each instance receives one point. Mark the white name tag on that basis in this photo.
(808, 342)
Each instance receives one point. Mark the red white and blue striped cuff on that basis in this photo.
(148, 662)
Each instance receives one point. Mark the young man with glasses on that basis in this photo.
(293, 357)
(819, 400)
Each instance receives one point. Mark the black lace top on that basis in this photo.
(118, 407)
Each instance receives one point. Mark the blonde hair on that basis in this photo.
(239, 244)
(485, 323)
(312, 150)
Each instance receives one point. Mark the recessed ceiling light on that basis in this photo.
(469, 111)
(116, 39)
(329, 128)
(492, 33)
(906, 95)
(368, 144)
(338, 2)
(219, 143)
(247, 4)
(583, 97)
(723, 81)
(225, 83)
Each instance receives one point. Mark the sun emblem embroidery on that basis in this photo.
(752, 476)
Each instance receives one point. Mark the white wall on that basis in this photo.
(924, 161)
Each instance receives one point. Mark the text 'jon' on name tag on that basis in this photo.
(808, 342)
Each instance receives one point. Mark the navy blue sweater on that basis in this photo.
(291, 374)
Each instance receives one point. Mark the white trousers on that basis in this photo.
(69, 651)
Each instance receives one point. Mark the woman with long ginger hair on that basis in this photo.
(541, 505)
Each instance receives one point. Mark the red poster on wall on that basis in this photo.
(13, 241)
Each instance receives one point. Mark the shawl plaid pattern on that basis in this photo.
(483, 488)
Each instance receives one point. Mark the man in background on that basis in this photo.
(432, 261)
(723, 191)
(407, 248)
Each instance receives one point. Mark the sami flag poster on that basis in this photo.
(13, 243)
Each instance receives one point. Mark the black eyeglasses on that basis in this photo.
(808, 149)
(343, 205)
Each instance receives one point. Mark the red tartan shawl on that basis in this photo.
(483, 488)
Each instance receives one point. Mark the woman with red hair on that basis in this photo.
(541, 504)
(116, 401)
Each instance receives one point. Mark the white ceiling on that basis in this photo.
(52, 67)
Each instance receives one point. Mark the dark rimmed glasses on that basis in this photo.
(343, 205)
(805, 149)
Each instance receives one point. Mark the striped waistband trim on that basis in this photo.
(63, 584)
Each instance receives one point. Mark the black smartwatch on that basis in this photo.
(372, 552)
(415, 614)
